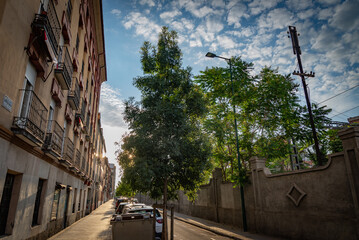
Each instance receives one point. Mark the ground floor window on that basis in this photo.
(55, 203)
(5, 202)
(35, 216)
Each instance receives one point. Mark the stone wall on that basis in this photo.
(319, 203)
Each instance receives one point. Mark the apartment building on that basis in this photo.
(51, 143)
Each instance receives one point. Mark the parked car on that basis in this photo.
(120, 200)
(147, 210)
(120, 207)
(132, 205)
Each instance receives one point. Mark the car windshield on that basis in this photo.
(143, 211)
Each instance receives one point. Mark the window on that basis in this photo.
(74, 203)
(69, 10)
(82, 68)
(5, 202)
(26, 99)
(77, 43)
(35, 216)
(55, 203)
(8, 204)
(78, 209)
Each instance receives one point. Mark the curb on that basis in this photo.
(194, 223)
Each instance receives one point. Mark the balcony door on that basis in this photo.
(29, 83)
(51, 116)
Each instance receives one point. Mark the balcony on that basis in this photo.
(81, 81)
(56, 93)
(83, 164)
(69, 116)
(82, 16)
(75, 60)
(67, 153)
(80, 116)
(76, 164)
(66, 27)
(86, 45)
(64, 70)
(53, 140)
(89, 66)
(47, 22)
(74, 96)
(88, 26)
(37, 57)
(31, 124)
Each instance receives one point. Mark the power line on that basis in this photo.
(338, 94)
(345, 111)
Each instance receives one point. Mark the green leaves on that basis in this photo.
(269, 115)
(166, 141)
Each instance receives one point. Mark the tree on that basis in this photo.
(166, 149)
(124, 189)
(269, 115)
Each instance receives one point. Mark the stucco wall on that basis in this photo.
(324, 203)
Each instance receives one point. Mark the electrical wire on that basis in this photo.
(338, 94)
(345, 111)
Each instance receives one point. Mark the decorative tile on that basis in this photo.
(296, 194)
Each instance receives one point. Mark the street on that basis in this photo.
(184, 231)
(97, 226)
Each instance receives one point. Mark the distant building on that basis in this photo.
(113, 179)
(52, 166)
(353, 120)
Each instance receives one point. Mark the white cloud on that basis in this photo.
(276, 19)
(116, 12)
(346, 16)
(236, 13)
(169, 16)
(325, 14)
(143, 25)
(111, 106)
(214, 25)
(258, 6)
(226, 42)
(150, 3)
(299, 4)
(197, 9)
(306, 14)
(329, 2)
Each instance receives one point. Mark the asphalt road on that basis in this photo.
(185, 231)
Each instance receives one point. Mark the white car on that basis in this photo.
(147, 210)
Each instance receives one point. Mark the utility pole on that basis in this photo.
(302, 74)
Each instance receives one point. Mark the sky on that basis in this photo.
(256, 30)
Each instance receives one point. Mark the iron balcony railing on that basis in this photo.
(32, 119)
(64, 69)
(49, 21)
(54, 138)
(81, 113)
(68, 151)
(83, 164)
(74, 96)
(78, 159)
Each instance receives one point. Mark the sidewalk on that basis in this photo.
(96, 225)
(221, 229)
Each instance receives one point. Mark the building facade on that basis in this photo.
(113, 180)
(52, 148)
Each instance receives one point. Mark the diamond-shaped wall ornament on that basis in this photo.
(296, 194)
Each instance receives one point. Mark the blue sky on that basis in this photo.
(256, 30)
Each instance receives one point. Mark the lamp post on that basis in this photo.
(244, 218)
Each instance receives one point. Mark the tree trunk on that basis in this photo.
(164, 225)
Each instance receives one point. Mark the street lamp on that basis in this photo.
(244, 218)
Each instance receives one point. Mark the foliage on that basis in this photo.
(124, 189)
(269, 116)
(166, 145)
